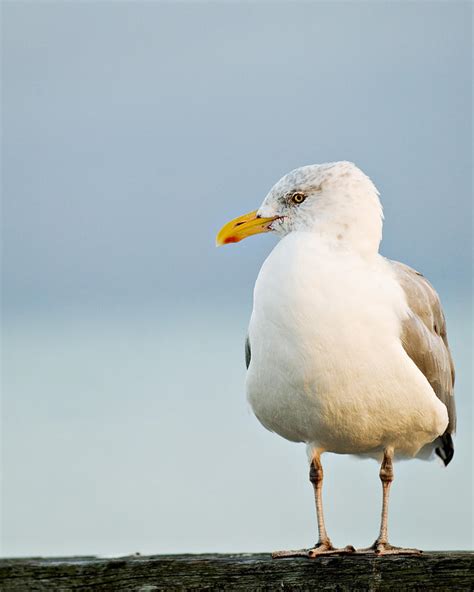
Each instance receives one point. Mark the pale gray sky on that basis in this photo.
(131, 132)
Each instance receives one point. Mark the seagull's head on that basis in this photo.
(336, 200)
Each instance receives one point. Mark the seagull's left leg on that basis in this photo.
(381, 545)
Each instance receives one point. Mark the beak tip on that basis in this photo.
(226, 240)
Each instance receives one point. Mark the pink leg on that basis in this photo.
(381, 545)
(324, 545)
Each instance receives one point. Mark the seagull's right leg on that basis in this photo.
(324, 545)
(316, 476)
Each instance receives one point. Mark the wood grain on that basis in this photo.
(432, 571)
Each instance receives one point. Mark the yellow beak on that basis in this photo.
(242, 227)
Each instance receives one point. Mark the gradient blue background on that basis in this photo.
(131, 132)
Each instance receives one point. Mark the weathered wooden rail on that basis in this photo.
(433, 571)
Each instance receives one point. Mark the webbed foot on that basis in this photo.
(380, 548)
(318, 550)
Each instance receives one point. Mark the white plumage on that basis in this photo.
(327, 363)
(347, 351)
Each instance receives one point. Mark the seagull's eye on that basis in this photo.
(298, 198)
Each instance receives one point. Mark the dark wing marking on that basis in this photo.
(425, 340)
(248, 353)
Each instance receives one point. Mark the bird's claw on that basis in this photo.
(379, 548)
(322, 549)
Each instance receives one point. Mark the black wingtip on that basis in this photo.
(446, 449)
(248, 353)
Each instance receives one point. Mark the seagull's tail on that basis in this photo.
(445, 449)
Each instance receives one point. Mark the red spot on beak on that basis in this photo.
(231, 239)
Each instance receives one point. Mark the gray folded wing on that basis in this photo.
(425, 340)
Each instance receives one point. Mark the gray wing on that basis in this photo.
(425, 340)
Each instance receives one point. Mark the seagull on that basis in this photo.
(346, 350)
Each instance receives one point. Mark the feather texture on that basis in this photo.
(424, 338)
